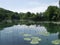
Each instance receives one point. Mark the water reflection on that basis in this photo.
(13, 31)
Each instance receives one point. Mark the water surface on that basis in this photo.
(13, 35)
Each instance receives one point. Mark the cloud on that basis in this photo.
(27, 5)
(37, 6)
(34, 10)
(40, 8)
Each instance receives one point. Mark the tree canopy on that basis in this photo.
(51, 14)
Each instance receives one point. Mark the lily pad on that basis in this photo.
(27, 39)
(27, 35)
(36, 38)
(56, 42)
(34, 42)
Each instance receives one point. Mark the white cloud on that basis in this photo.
(34, 6)
(34, 10)
(39, 8)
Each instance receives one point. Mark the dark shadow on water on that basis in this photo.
(52, 28)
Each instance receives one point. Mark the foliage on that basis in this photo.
(56, 42)
(51, 14)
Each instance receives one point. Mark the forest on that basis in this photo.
(52, 13)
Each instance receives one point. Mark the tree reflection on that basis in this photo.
(53, 28)
(59, 35)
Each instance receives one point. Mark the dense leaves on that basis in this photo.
(51, 14)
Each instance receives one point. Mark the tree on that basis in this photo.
(28, 15)
(15, 16)
(51, 13)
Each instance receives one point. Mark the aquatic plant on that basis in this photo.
(27, 35)
(35, 40)
(27, 39)
(56, 42)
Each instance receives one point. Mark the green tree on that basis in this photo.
(51, 13)
(15, 16)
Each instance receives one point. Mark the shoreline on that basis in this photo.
(31, 21)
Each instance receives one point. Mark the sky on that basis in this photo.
(27, 5)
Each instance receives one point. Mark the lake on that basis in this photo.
(31, 34)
